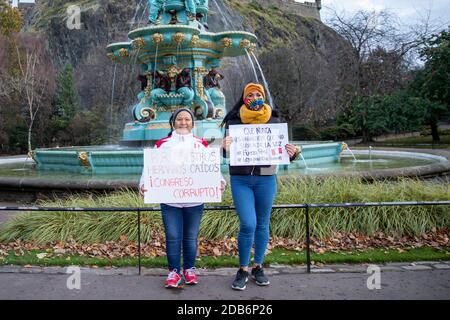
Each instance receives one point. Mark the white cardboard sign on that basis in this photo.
(259, 144)
(182, 175)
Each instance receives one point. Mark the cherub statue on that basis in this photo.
(160, 80)
(144, 82)
(156, 7)
(212, 79)
(213, 90)
(191, 9)
(202, 12)
(184, 86)
(160, 84)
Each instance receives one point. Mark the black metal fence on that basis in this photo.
(306, 207)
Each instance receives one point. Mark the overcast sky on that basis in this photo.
(16, 1)
(410, 12)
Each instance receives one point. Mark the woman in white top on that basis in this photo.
(181, 221)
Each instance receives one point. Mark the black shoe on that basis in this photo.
(240, 281)
(260, 277)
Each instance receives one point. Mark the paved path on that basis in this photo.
(427, 280)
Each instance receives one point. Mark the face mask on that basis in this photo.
(254, 104)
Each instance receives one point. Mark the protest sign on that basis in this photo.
(182, 175)
(258, 144)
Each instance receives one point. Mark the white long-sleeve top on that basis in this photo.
(171, 141)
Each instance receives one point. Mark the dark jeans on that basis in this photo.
(181, 226)
(253, 197)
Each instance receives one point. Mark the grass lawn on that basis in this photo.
(277, 256)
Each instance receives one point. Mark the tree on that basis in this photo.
(308, 85)
(65, 104)
(432, 83)
(11, 121)
(34, 82)
(10, 19)
(382, 58)
(66, 99)
(394, 113)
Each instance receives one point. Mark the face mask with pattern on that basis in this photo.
(254, 104)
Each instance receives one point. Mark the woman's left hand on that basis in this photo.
(222, 186)
(291, 150)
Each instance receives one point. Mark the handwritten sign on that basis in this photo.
(182, 175)
(259, 144)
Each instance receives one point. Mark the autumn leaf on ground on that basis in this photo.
(41, 255)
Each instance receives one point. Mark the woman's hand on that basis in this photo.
(226, 143)
(142, 190)
(222, 186)
(291, 150)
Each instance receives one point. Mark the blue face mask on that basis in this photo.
(254, 104)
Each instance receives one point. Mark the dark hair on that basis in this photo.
(234, 112)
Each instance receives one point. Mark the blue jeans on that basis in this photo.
(253, 197)
(181, 226)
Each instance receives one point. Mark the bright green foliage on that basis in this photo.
(65, 103)
(394, 113)
(66, 100)
(433, 82)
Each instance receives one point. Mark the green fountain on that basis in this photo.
(180, 62)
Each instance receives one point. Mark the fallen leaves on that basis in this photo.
(341, 242)
(41, 255)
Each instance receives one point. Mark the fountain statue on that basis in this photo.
(181, 62)
(179, 67)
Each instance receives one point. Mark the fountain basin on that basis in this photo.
(324, 158)
(19, 177)
(89, 160)
(98, 160)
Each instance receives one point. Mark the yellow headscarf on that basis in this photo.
(251, 116)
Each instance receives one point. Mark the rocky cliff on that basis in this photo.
(304, 61)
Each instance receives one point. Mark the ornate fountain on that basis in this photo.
(179, 60)
(180, 63)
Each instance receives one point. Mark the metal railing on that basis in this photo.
(227, 208)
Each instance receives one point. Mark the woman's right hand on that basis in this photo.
(142, 190)
(226, 143)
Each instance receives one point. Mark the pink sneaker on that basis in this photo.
(190, 276)
(174, 280)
